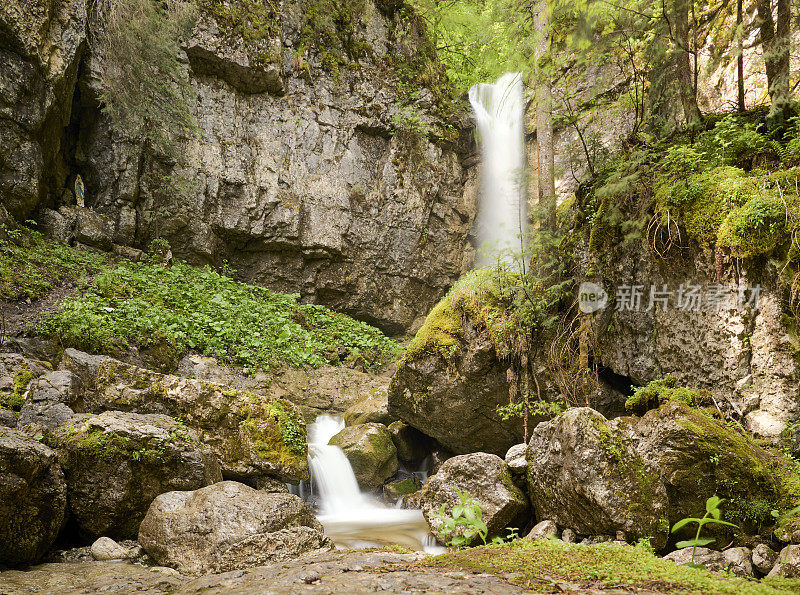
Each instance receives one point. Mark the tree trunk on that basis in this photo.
(683, 69)
(544, 115)
(775, 45)
(740, 56)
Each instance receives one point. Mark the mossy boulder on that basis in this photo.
(698, 456)
(585, 474)
(251, 434)
(116, 463)
(484, 477)
(33, 498)
(659, 391)
(372, 408)
(394, 490)
(451, 379)
(16, 373)
(371, 453)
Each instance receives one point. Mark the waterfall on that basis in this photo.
(502, 210)
(351, 518)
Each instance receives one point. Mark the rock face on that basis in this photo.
(116, 463)
(412, 445)
(33, 497)
(456, 401)
(371, 453)
(228, 526)
(482, 476)
(584, 473)
(334, 183)
(373, 408)
(41, 43)
(251, 434)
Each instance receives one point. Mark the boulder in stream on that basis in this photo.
(371, 453)
(228, 526)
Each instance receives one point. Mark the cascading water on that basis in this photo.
(351, 518)
(502, 210)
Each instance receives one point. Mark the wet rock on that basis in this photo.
(788, 563)
(105, 549)
(228, 526)
(394, 490)
(373, 408)
(543, 530)
(33, 498)
(516, 459)
(455, 400)
(584, 473)
(116, 463)
(371, 453)
(411, 444)
(483, 477)
(764, 558)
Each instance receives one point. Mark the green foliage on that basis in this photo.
(407, 120)
(759, 226)
(170, 310)
(530, 407)
(30, 266)
(659, 391)
(19, 385)
(712, 516)
(463, 524)
(732, 141)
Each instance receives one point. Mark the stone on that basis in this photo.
(52, 400)
(764, 558)
(244, 430)
(411, 444)
(116, 463)
(455, 401)
(373, 408)
(371, 453)
(516, 459)
(265, 483)
(33, 498)
(584, 473)
(399, 488)
(543, 530)
(93, 229)
(228, 526)
(485, 478)
(105, 549)
(734, 560)
(568, 536)
(54, 225)
(788, 563)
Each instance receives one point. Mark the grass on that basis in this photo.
(541, 565)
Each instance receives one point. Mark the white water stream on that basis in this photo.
(502, 210)
(351, 518)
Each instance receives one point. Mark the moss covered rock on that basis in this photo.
(251, 434)
(698, 456)
(371, 453)
(372, 408)
(33, 498)
(116, 463)
(584, 473)
(394, 490)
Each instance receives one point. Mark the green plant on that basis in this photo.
(463, 524)
(712, 516)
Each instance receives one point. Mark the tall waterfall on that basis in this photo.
(502, 209)
(351, 518)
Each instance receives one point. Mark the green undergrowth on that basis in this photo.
(659, 391)
(30, 265)
(540, 565)
(166, 311)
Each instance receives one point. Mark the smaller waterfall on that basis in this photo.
(351, 518)
(502, 210)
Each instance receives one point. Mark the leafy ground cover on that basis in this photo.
(543, 566)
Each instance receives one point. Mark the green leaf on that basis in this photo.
(682, 523)
(713, 503)
(701, 542)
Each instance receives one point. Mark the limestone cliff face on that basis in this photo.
(302, 180)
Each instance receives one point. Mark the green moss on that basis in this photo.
(759, 226)
(111, 446)
(275, 430)
(660, 391)
(539, 565)
(19, 385)
(255, 21)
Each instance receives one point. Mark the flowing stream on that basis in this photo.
(350, 517)
(502, 210)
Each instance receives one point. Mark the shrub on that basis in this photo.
(659, 391)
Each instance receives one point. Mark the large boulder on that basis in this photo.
(52, 400)
(33, 498)
(251, 434)
(698, 457)
(485, 478)
(372, 408)
(116, 463)
(371, 453)
(584, 473)
(228, 526)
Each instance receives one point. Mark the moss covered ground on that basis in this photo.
(554, 566)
